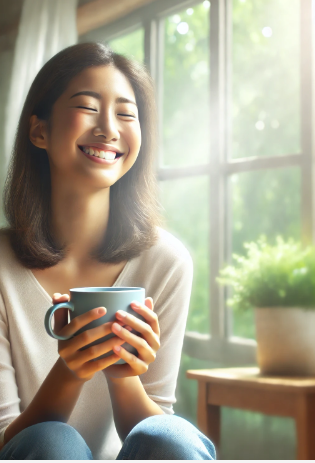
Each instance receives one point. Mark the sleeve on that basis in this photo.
(9, 399)
(171, 307)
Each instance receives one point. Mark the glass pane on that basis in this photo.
(131, 45)
(266, 78)
(266, 203)
(186, 206)
(186, 87)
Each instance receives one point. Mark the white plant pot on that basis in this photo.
(286, 341)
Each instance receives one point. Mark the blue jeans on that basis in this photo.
(160, 437)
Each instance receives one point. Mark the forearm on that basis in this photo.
(130, 404)
(54, 401)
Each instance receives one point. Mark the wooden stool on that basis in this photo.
(246, 389)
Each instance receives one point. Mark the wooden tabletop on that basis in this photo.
(250, 376)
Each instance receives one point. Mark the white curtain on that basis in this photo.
(46, 27)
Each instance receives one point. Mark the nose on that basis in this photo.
(107, 127)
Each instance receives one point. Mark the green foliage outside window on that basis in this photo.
(266, 78)
(186, 111)
(131, 45)
(186, 212)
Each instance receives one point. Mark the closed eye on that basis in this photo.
(85, 107)
(127, 115)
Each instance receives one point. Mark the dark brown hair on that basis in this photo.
(134, 210)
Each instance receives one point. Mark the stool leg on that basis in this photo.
(305, 427)
(208, 416)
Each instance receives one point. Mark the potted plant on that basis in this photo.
(278, 282)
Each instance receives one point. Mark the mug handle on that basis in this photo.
(48, 317)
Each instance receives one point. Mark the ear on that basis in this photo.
(38, 132)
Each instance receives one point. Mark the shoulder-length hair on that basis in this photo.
(134, 209)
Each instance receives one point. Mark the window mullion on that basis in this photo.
(150, 46)
(154, 62)
(159, 80)
(217, 158)
(227, 184)
(307, 120)
(262, 163)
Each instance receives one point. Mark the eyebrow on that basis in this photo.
(96, 95)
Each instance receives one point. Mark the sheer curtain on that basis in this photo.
(46, 27)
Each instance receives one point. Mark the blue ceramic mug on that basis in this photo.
(84, 299)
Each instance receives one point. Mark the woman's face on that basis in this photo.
(94, 132)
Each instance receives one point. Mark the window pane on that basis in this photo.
(265, 82)
(131, 45)
(267, 203)
(186, 87)
(186, 206)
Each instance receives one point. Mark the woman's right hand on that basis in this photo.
(78, 361)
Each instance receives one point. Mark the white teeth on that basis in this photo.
(108, 155)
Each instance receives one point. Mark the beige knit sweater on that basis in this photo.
(27, 352)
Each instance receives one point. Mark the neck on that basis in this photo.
(79, 220)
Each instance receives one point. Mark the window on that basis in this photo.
(234, 91)
(265, 78)
(130, 44)
(185, 121)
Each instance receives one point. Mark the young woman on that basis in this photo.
(81, 208)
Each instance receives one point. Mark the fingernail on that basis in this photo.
(135, 304)
(116, 327)
(101, 310)
(121, 314)
(117, 348)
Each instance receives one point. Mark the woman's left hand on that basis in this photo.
(147, 342)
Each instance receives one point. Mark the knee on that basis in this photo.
(171, 437)
(50, 440)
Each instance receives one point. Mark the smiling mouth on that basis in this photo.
(108, 155)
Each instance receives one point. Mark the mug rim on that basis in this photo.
(100, 289)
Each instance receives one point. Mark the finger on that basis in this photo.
(83, 356)
(149, 303)
(148, 314)
(90, 368)
(146, 353)
(141, 327)
(82, 320)
(70, 347)
(57, 297)
(137, 365)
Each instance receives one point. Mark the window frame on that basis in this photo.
(219, 346)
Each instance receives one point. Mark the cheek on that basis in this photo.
(135, 138)
(73, 122)
(69, 127)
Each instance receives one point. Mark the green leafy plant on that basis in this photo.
(282, 275)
